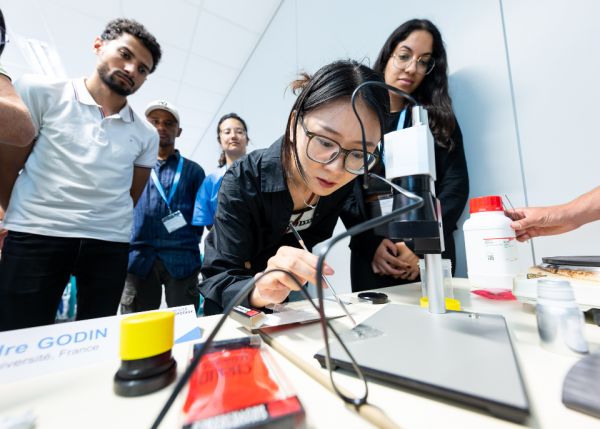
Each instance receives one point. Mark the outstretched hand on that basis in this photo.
(539, 221)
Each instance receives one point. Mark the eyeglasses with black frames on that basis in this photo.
(324, 151)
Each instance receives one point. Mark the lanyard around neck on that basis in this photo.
(161, 190)
(401, 119)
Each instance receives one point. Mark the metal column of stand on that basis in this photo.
(435, 283)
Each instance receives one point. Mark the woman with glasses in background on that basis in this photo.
(413, 59)
(304, 180)
(232, 135)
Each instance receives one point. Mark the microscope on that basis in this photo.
(459, 355)
(409, 159)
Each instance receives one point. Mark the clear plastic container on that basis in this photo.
(490, 245)
(559, 318)
(447, 274)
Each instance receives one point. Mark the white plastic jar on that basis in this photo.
(490, 245)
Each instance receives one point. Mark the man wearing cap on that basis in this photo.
(71, 209)
(164, 244)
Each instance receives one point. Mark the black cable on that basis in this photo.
(183, 380)
(324, 324)
(204, 347)
(357, 229)
(362, 127)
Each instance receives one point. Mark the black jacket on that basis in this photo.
(452, 189)
(253, 211)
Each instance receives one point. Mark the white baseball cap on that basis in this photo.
(162, 105)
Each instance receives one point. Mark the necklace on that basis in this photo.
(307, 204)
(302, 212)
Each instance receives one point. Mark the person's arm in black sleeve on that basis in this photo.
(453, 187)
(231, 242)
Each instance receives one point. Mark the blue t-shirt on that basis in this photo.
(205, 206)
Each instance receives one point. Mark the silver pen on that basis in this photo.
(509, 203)
(335, 295)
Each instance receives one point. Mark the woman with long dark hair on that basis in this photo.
(305, 179)
(413, 59)
(232, 136)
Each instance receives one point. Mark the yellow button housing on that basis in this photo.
(147, 334)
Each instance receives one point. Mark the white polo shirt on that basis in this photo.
(76, 181)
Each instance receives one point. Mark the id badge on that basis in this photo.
(386, 205)
(174, 221)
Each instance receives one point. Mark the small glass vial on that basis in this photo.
(559, 318)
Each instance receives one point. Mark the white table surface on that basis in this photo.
(543, 371)
(83, 397)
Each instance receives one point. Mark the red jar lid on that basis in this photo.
(490, 203)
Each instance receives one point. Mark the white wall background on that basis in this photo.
(554, 60)
(522, 79)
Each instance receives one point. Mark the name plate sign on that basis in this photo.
(30, 352)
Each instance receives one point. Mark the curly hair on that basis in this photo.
(115, 28)
(432, 93)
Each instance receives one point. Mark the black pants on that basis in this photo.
(145, 294)
(34, 270)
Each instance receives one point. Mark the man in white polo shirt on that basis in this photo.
(71, 209)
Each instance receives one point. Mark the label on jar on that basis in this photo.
(502, 249)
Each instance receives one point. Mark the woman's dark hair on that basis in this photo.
(333, 82)
(222, 159)
(432, 93)
(115, 29)
(2, 32)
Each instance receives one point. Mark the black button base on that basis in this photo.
(144, 376)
